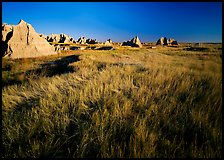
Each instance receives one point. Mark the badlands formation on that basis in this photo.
(135, 42)
(165, 41)
(59, 38)
(21, 41)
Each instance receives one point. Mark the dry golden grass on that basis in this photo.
(122, 103)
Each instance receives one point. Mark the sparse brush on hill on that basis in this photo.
(120, 103)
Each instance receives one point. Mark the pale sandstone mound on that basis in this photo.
(135, 42)
(60, 38)
(174, 43)
(82, 40)
(53, 38)
(161, 41)
(23, 42)
(108, 42)
(165, 41)
(91, 41)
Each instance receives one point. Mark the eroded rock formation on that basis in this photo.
(21, 41)
(164, 41)
(135, 42)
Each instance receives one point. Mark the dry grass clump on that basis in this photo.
(121, 103)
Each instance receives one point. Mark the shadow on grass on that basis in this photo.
(197, 49)
(57, 67)
(48, 69)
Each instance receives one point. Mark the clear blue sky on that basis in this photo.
(183, 21)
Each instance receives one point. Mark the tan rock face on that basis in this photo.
(160, 41)
(60, 38)
(5, 30)
(82, 40)
(135, 42)
(165, 41)
(171, 40)
(91, 41)
(25, 43)
(108, 42)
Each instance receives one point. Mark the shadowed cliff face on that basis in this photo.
(7, 33)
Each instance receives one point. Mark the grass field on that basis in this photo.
(164, 102)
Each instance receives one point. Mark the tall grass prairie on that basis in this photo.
(124, 103)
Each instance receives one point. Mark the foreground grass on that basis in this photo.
(121, 103)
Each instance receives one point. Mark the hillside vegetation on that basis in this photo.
(128, 102)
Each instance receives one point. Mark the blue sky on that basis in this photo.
(183, 21)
